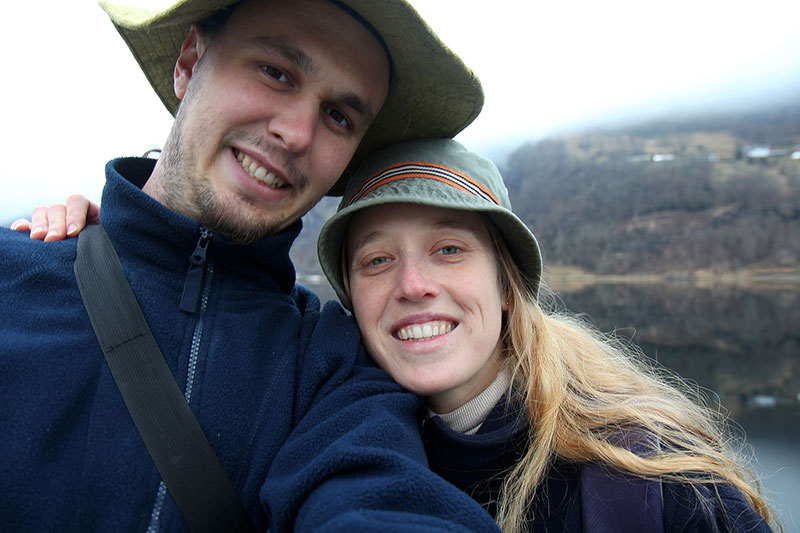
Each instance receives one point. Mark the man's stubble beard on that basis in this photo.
(185, 190)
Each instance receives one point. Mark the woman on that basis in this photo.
(548, 423)
(526, 408)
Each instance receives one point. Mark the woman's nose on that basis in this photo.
(415, 282)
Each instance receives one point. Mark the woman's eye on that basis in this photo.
(337, 116)
(275, 73)
(450, 250)
(378, 261)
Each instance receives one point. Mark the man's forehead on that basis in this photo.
(224, 15)
(370, 28)
(283, 45)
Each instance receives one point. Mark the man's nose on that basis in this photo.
(415, 281)
(293, 126)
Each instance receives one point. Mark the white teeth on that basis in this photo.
(418, 332)
(260, 173)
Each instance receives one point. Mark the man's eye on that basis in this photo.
(337, 116)
(275, 73)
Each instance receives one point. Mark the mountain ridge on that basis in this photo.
(685, 196)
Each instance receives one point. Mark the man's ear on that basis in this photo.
(191, 51)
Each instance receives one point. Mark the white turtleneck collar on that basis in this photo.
(468, 418)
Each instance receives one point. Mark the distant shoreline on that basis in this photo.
(571, 279)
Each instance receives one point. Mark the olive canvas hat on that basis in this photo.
(432, 172)
(431, 92)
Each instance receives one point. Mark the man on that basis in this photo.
(275, 99)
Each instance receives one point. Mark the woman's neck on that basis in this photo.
(468, 418)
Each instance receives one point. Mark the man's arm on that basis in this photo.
(355, 460)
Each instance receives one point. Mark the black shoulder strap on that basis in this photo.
(171, 433)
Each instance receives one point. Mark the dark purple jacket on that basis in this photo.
(476, 464)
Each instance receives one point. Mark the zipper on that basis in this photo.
(194, 289)
(423, 429)
(194, 351)
(193, 284)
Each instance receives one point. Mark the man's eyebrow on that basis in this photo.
(359, 105)
(277, 45)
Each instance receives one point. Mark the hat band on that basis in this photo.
(439, 173)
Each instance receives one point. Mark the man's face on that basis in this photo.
(273, 108)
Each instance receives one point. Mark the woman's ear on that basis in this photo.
(192, 50)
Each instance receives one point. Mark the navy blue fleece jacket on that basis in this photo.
(312, 435)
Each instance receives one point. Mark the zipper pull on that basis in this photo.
(423, 427)
(194, 276)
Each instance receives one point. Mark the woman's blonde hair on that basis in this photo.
(583, 389)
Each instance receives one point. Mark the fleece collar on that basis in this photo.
(147, 233)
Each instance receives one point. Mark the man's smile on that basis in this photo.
(252, 167)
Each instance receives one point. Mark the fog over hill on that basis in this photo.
(674, 195)
(746, 102)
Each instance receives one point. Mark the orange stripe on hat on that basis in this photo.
(422, 170)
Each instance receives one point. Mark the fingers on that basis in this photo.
(56, 223)
(21, 224)
(39, 223)
(78, 209)
(93, 213)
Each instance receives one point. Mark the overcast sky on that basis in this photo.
(73, 97)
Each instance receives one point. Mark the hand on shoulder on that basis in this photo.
(59, 221)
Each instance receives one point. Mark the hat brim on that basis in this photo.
(431, 93)
(518, 238)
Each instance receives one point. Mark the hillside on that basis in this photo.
(675, 196)
(713, 193)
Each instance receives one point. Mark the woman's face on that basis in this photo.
(426, 294)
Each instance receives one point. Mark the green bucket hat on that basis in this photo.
(433, 172)
(431, 92)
